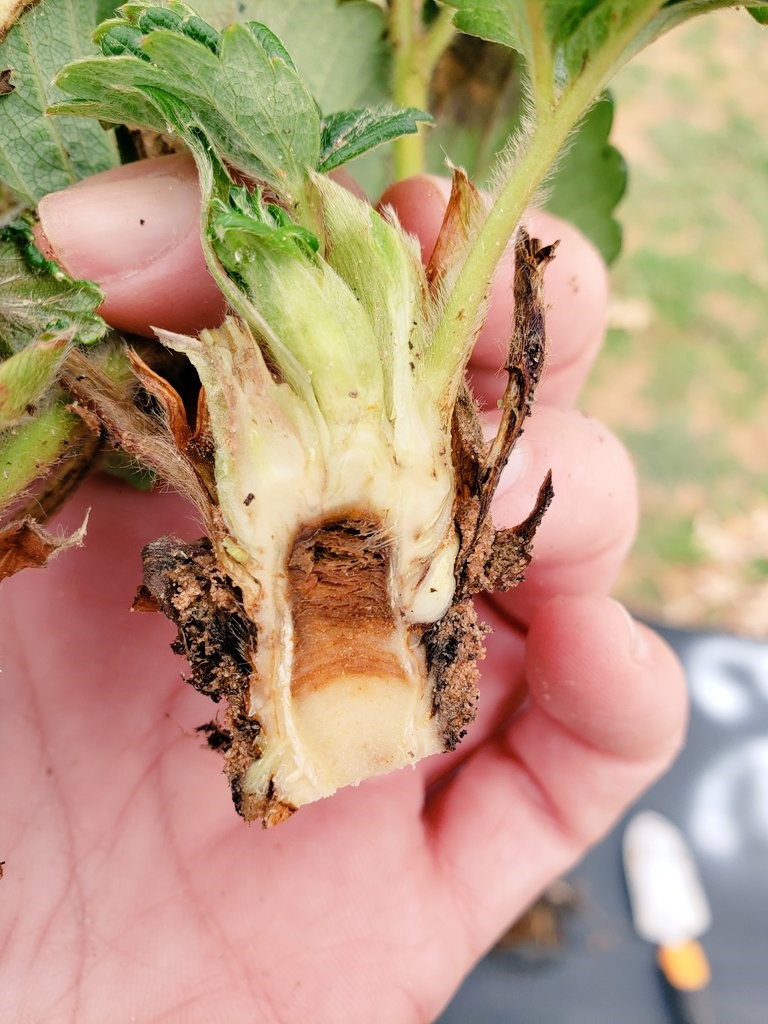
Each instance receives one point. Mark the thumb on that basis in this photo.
(135, 230)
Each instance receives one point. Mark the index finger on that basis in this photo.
(575, 289)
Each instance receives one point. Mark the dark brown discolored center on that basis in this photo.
(342, 613)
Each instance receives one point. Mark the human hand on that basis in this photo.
(132, 891)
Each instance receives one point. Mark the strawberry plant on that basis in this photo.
(331, 444)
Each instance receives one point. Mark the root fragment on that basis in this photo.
(454, 645)
(214, 632)
(216, 637)
(489, 559)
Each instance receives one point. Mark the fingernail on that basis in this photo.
(638, 642)
(435, 182)
(517, 463)
(511, 475)
(420, 206)
(112, 225)
(516, 466)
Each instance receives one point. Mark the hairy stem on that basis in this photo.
(519, 186)
(416, 51)
(29, 451)
(541, 70)
(438, 37)
(408, 88)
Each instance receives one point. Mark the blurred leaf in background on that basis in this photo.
(476, 99)
(41, 154)
(338, 48)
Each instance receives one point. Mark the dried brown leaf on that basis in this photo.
(166, 395)
(149, 439)
(525, 358)
(27, 545)
(464, 207)
(489, 560)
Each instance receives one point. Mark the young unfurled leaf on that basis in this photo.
(37, 299)
(171, 80)
(39, 154)
(167, 70)
(351, 133)
(340, 50)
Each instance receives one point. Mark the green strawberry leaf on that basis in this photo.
(351, 133)
(187, 78)
(167, 70)
(39, 154)
(561, 40)
(38, 301)
(499, 21)
(338, 48)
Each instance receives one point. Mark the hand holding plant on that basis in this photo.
(132, 890)
(363, 514)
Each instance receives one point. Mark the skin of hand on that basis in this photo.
(132, 891)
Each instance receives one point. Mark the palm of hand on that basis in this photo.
(134, 891)
(134, 860)
(129, 840)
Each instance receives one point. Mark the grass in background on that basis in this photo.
(684, 376)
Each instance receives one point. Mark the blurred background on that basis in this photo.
(683, 378)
